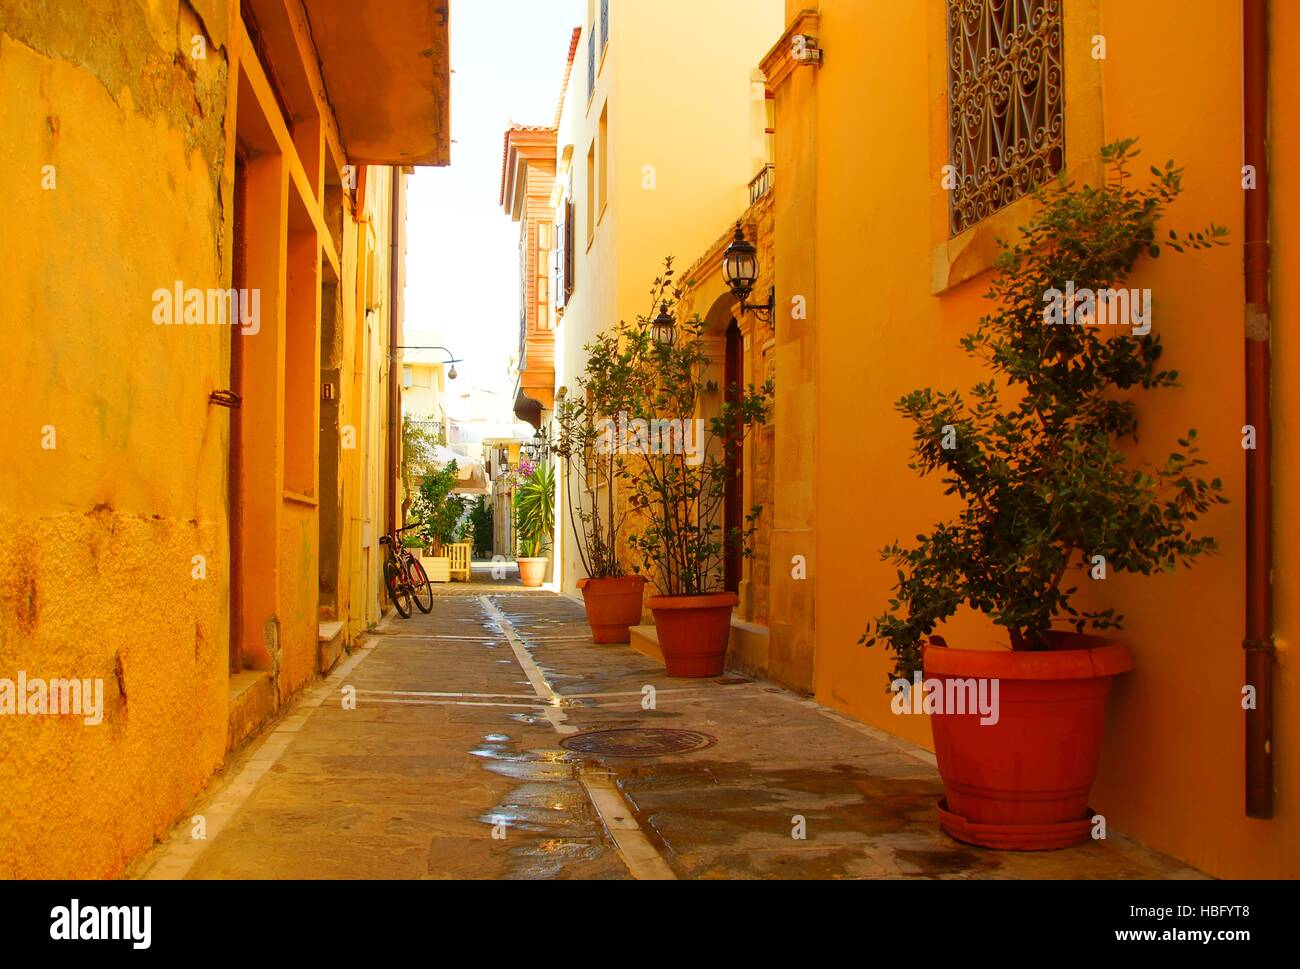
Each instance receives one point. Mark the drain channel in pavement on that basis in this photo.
(638, 852)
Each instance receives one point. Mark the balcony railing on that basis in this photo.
(762, 183)
(434, 429)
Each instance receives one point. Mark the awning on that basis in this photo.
(471, 477)
(388, 77)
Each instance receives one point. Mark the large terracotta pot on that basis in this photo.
(1022, 782)
(613, 606)
(694, 632)
(532, 572)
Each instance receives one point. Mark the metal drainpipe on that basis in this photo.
(394, 393)
(1259, 645)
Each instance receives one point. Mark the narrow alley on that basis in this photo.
(597, 441)
(493, 739)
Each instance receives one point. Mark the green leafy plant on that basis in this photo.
(670, 464)
(535, 512)
(597, 517)
(480, 523)
(418, 451)
(1033, 454)
(437, 510)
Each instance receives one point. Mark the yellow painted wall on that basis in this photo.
(99, 532)
(97, 535)
(1172, 770)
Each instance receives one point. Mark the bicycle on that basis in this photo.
(404, 576)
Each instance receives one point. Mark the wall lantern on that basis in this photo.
(538, 450)
(664, 328)
(740, 270)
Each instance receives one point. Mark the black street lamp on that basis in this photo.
(740, 270)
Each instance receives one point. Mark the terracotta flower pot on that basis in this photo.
(532, 572)
(613, 606)
(1022, 782)
(694, 632)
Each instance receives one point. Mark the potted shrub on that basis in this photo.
(613, 596)
(437, 511)
(671, 467)
(534, 524)
(1046, 494)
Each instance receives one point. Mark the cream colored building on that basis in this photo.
(424, 391)
(661, 128)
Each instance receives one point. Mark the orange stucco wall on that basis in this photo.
(115, 559)
(1172, 770)
(98, 534)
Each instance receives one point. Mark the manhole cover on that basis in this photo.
(638, 742)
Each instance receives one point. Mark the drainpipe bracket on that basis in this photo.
(1258, 324)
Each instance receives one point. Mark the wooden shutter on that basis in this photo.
(569, 251)
(560, 261)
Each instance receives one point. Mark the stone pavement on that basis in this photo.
(451, 765)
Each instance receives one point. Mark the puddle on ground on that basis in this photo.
(551, 858)
(539, 765)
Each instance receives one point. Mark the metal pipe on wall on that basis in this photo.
(1258, 644)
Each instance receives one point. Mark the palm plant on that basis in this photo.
(535, 512)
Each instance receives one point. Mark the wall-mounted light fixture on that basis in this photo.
(538, 450)
(740, 270)
(663, 329)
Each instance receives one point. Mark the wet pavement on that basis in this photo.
(451, 764)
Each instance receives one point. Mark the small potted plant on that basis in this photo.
(613, 596)
(1046, 495)
(671, 467)
(534, 524)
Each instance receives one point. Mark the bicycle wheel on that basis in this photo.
(421, 587)
(398, 591)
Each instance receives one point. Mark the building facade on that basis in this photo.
(878, 230)
(892, 257)
(652, 160)
(203, 426)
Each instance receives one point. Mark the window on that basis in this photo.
(562, 257)
(591, 62)
(603, 161)
(604, 24)
(1006, 126)
(591, 193)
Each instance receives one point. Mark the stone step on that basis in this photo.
(252, 703)
(747, 652)
(331, 642)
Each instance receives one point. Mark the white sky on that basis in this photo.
(462, 284)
